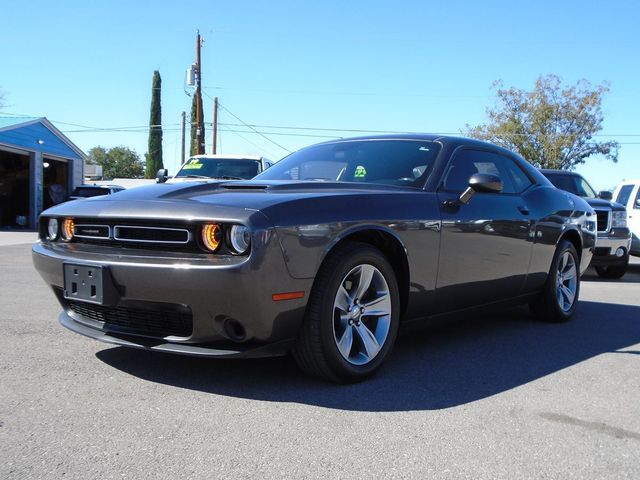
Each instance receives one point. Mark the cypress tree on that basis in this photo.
(154, 154)
(194, 126)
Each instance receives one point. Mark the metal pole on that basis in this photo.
(199, 132)
(215, 126)
(184, 121)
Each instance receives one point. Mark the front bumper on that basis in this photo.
(608, 243)
(213, 289)
(198, 350)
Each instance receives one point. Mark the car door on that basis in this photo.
(486, 244)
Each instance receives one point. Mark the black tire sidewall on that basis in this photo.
(338, 364)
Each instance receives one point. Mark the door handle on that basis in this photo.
(523, 210)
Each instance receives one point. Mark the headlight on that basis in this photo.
(619, 219)
(52, 229)
(67, 229)
(211, 236)
(240, 238)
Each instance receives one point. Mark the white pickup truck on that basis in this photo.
(627, 193)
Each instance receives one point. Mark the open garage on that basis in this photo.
(39, 166)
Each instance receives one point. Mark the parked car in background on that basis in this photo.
(628, 194)
(324, 254)
(217, 167)
(613, 244)
(86, 191)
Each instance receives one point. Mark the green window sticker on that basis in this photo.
(192, 165)
(360, 172)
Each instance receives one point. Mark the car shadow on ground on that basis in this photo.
(436, 368)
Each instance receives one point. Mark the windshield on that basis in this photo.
(219, 168)
(391, 162)
(89, 192)
(572, 184)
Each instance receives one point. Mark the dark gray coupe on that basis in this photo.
(326, 254)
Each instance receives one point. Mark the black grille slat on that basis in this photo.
(174, 320)
(603, 220)
(146, 234)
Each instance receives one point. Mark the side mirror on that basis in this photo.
(162, 175)
(637, 203)
(481, 183)
(605, 195)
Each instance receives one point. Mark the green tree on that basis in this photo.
(551, 126)
(116, 162)
(194, 124)
(153, 158)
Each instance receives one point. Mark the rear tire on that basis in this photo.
(559, 297)
(352, 317)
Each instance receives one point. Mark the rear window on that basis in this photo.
(624, 194)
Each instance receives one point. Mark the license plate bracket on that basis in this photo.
(88, 283)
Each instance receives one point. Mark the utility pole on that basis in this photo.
(199, 117)
(184, 122)
(215, 126)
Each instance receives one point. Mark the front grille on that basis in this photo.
(159, 320)
(148, 234)
(91, 231)
(603, 220)
(602, 251)
(151, 234)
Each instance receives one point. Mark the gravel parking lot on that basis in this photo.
(499, 396)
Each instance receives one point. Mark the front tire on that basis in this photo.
(612, 271)
(352, 316)
(559, 298)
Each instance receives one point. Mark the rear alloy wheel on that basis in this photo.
(352, 316)
(559, 298)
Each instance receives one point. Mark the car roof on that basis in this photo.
(431, 137)
(560, 172)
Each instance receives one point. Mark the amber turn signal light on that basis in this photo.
(67, 229)
(278, 297)
(211, 236)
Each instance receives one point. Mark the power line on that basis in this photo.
(357, 94)
(247, 125)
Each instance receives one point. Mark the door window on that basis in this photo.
(469, 162)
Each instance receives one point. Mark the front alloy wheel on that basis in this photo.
(362, 314)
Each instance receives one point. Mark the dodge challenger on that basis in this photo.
(324, 255)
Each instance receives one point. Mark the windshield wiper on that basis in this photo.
(229, 177)
(193, 176)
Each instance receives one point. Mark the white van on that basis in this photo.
(628, 194)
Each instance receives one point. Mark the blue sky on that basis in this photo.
(359, 65)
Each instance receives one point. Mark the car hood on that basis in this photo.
(600, 203)
(205, 200)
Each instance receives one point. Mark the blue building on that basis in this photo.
(39, 166)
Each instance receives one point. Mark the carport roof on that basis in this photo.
(37, 134)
